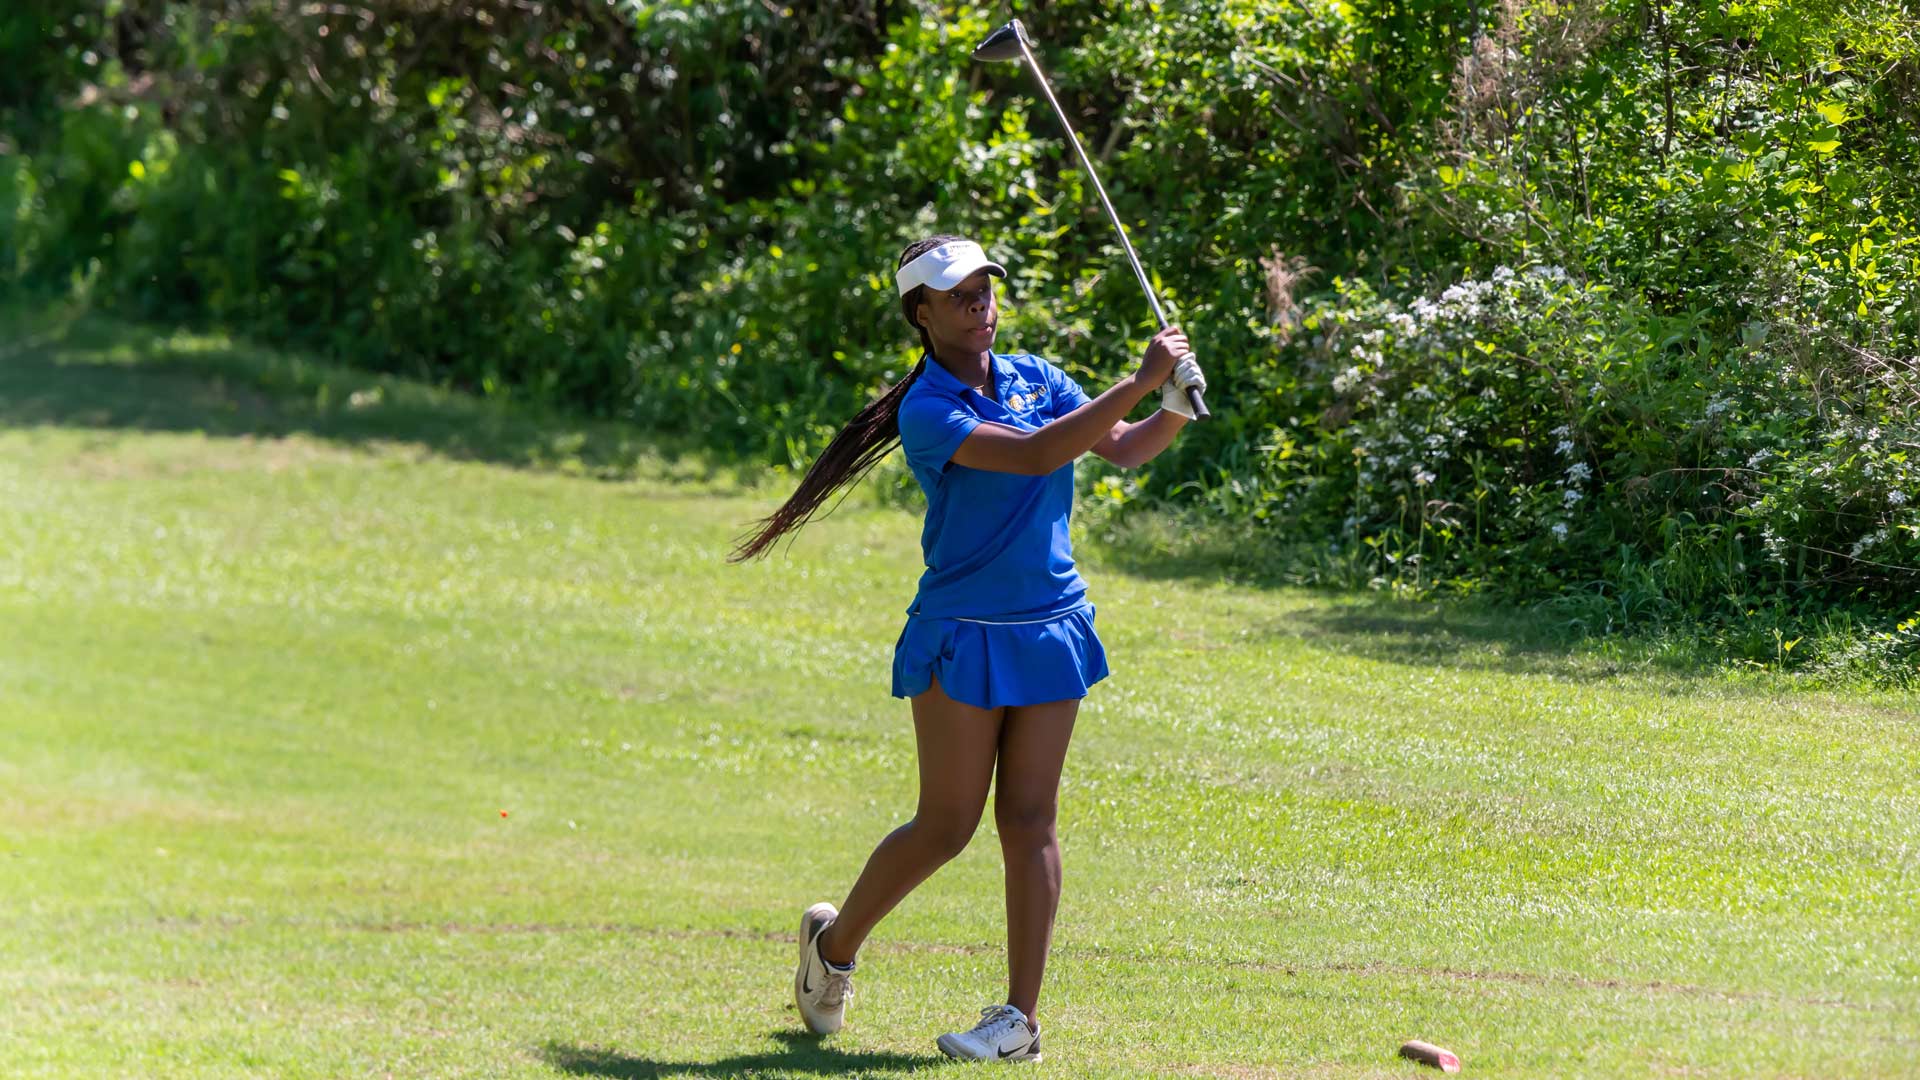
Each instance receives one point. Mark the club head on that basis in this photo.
(1003, 44)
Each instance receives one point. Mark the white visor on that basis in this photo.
(946, 266)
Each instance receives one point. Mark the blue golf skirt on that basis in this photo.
(988, 665)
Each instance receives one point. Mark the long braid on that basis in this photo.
(858, 447)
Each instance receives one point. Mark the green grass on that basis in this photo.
(276, 650)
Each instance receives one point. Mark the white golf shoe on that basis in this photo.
(820, 989)
(1003, 1034)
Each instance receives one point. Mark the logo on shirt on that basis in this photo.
(1025, 399)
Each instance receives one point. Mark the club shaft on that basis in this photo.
(1194, 397)
(1158, 312)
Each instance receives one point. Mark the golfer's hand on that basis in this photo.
(1186, 375)
(1167, 346)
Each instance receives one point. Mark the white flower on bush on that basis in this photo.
(1502, 274)
(1422, 476)
(1579, 472)
(1570, 496)
(1896, 497)
(1564, 448)
(1717, 406)
(1465, 297)
(1870, 540)
(1758, 457)
(1560, 531)
(1346, 380)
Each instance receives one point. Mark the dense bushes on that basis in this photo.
(1549, 437)
(1610, 302)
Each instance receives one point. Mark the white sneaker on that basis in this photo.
(1003, 1034)
(821, 990)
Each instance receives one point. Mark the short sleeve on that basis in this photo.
(1065, 392)
(932, 427)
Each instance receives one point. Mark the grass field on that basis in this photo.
(350, 727)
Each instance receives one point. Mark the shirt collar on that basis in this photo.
(1002, 373)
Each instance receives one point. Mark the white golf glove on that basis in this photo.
(1173, 393)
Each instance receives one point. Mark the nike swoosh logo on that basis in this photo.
(806, 969)
(1009, 1053)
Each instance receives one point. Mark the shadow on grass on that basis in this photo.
(1569, 637)
(801, 1053)
(88, 370)
(1426, 634)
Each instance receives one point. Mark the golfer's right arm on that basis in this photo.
(998, 448)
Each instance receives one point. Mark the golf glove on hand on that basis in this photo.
(1173, 393)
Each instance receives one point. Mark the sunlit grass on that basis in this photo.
(273, 664)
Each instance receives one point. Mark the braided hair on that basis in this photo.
(859, 446)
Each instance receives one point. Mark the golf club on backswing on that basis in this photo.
(1010, 42)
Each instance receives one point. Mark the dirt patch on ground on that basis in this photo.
(1313, 1071)
(1366, 970)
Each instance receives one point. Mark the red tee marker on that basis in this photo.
(1428, 1054)
(503, 813)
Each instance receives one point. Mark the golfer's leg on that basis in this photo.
(957, 743)
(1033, 746)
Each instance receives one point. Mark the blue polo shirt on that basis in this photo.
(995, 543)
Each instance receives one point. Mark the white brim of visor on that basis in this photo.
(946, 266)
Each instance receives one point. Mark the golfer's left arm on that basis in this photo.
(1133, 445)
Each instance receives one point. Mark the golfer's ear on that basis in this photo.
(920, 313)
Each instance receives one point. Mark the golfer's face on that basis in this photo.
(965, 316)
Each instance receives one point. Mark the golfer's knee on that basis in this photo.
(945, 837)
(1027, 827)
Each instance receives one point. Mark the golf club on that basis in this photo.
(1011, 42)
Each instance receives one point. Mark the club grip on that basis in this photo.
(1199, 405)
(1194, 400)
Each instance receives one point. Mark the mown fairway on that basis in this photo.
(279, 643)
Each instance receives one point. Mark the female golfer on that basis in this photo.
(999, 645)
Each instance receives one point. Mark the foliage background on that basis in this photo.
(1610, 306)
